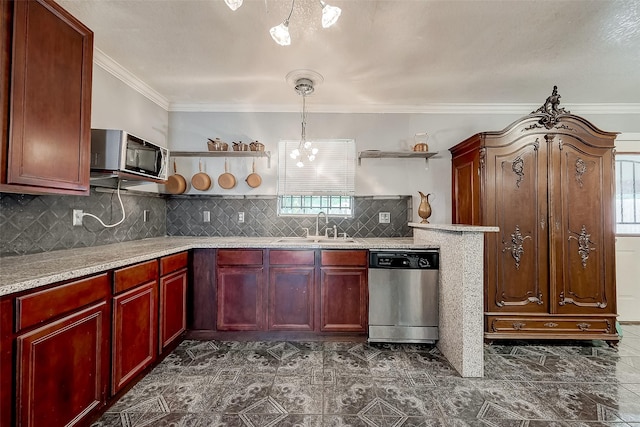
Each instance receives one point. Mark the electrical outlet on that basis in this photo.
(384, 217)
(145, 215)
(77, 217)
(206, 216)
(240, 216)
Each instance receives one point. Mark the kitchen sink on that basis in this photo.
(312, 240)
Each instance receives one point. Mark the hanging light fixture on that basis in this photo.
(280, 33)
(233, 4)
(304, 84)
(330, 14)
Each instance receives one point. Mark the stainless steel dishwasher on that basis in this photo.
(403, 296)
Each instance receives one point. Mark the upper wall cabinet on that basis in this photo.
(46, 63)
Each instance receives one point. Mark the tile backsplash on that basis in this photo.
(32, 224)
(185, 216)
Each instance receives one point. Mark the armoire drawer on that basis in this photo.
(549, 325)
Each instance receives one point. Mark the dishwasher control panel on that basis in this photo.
(421, 260)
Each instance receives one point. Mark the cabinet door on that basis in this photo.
(240, 298)
(465, 188)
(62, 369)
(515, 199)
(50, 105)
(343, 299)
(135, 333)
(173, 307)
(291, 298)
(583, 272)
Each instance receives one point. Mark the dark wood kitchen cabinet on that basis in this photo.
(62, 353)
(344, 304)
(173, 298)
(547, 182)
(240, 290)
(135, 322)
(46, 63)
(291, 290)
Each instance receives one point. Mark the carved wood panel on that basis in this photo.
(579, 235)
(516, 202)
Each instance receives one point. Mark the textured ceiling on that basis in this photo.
(384, 55)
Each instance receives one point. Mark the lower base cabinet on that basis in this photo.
(134, 333)
(303, 290)
(61, 353)
(344, 291)
(240, 298)
(135, 322)
(76, 345)
(173, 298)
(60, 369)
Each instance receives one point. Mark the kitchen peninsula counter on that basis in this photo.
(20, 273)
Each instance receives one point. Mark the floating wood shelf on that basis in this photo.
(377, 154)
(230, 154)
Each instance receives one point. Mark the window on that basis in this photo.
(628, 193)
(327, 184)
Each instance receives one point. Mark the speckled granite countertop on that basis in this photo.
(19, 273)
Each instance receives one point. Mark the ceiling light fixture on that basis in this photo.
(280, 33)
(304, 82)
(233, 4)
(330, 14)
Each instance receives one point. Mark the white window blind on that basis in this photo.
(331, 173)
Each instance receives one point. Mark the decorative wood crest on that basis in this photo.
(581, 168)
(516, 248)
(519, 325)
(518, 168)
(584, 244)
(583, 326)
(551, 110)
(551, 325)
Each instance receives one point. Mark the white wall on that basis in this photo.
(115, 105)
(189, 131)
(628, 253)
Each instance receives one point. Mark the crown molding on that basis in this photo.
(108, 64)
(444, 108)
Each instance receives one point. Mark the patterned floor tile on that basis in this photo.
(314, 384)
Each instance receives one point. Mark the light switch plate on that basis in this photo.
(240, 216)
(206, 216)
(384, 217)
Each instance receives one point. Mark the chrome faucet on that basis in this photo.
(318, 221)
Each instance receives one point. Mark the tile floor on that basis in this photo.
(215, 383)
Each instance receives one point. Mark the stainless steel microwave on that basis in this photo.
(115, 151)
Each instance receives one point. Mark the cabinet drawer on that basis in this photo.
(285, 257)
(132, 276)
(44, 305)
(171, 263)
(239, 257)
(343, 258)
(550, 326)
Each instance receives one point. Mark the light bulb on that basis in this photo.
(233, 4)
(299, 164)
(280, 34)
(314, 151)
(307, 144)
(330, 14)
(312, 158)
(295, 153)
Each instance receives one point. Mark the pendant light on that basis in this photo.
(304, 84)
(330, 14)
(280, 33)
(233, 4)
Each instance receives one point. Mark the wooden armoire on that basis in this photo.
(547, 181)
